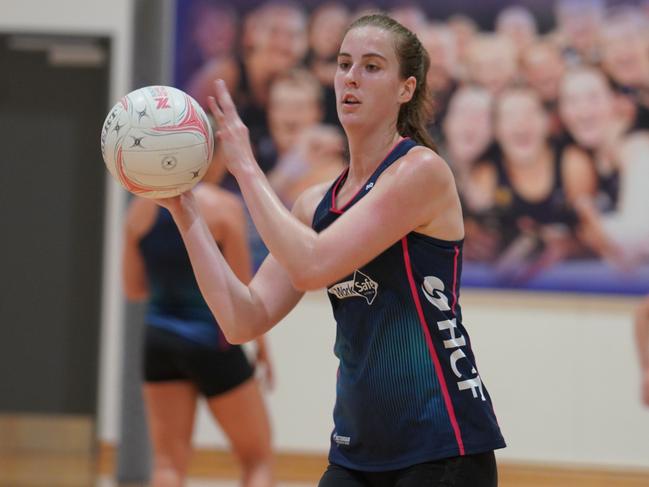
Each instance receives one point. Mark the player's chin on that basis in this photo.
(351, 118)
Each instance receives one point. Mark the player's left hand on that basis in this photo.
(265, 366)
(231, 133)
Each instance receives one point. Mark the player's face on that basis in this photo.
(624, 53)
(327, 29)
(440, 44)
(521, 126)
(367, 81)
(215, 33)
(520, 30)
(543, 68)
(586, 107)
(492, 64)
(282, 38)
(291, 111)
(467, 125)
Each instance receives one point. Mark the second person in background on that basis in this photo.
(186, 355)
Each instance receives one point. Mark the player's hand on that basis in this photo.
(183, 207)
(265, 366)
(170, 204)
(231, 133)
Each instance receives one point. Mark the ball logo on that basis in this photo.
(433, 288)
(169, 162)
(137, 142)
(162, 102)
(361, 285)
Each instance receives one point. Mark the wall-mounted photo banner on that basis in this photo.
(541, 110)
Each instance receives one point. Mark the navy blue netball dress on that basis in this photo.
(408, 389)
(176, 303)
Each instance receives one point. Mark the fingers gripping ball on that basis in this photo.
(157, 142)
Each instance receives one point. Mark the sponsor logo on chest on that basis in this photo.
(361, 285)
(433, 289)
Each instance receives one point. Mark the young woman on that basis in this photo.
(608, 167)
(385, 238)
(186, 354)
(524, 190)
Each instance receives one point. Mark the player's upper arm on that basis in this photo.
(271, 287)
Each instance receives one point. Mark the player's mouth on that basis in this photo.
(350, 100)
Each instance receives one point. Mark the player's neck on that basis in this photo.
(367, 151)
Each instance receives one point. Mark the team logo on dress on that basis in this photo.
(342, 440)
(433, 288)
(454, 342)
(361, 285)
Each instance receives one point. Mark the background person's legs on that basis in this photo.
(241, 413)
(171, 408)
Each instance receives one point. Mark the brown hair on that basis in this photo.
(414, 115)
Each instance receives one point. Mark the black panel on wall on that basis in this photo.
(52, 106)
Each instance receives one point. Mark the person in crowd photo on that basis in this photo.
(523, 185)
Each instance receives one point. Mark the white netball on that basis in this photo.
(157, 142)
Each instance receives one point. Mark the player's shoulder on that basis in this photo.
(306, 204)
(424, 165)
(218, 203)
(140, 216)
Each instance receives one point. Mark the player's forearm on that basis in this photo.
(291, 242)
(230, 300)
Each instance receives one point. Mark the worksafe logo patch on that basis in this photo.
(361, 285)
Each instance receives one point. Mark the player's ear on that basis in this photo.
(407, 90)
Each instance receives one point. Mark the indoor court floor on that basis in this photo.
(65, 470)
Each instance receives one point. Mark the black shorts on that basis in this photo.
(477, 470)
(170, 357)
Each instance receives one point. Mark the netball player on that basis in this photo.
(385, 238)
(185, 352)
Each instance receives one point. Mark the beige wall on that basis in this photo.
(562, 372)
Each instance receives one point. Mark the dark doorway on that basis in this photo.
(53, 99)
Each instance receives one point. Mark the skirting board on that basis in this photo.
(307, 467)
